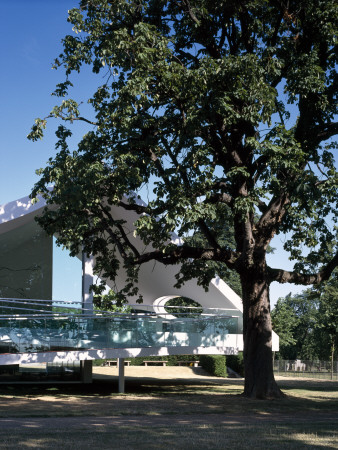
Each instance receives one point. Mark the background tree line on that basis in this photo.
(307, 323)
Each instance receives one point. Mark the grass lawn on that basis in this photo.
(179, 415)
(285, 436)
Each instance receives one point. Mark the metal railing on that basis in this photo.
(306, 368)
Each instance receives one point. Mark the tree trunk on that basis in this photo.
(257, 333)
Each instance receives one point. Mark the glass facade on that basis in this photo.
(57, 330)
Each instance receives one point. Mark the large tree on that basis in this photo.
(205, 104)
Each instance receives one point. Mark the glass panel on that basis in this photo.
(53, 331)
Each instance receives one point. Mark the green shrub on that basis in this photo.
(214, 364)
(138, 361)
(236, 363)
(99, 362)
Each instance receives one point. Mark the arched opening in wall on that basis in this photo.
(173, 306)
(183, 307)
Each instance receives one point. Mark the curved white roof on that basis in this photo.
(156, 280)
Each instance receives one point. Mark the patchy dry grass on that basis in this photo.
(178, 437)
(163, 397)
(254, 423)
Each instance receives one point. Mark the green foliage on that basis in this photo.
(285, 322)
(326, 327)
(214, 364)
(224, 233)
(236, 363)
(110, 302)
(294, 320)
(307, 323)
(98, 362)
(195, 103)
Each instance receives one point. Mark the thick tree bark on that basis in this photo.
(257, 334)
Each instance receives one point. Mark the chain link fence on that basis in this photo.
(325, 370)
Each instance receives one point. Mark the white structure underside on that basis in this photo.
(82, 355)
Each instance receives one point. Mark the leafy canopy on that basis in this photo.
(206, 106)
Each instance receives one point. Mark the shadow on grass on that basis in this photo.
(195, 436)
(163, 397)
(309, 385)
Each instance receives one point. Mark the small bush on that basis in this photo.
(236, 363)
(214, 364)
(99, 362)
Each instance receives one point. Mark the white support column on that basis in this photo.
(87, 281)
(86, 371)
(120, 365)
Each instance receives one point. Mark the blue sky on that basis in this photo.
(32, 32)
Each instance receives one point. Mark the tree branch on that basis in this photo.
(324, 132)
(185, 178)
(122, 232)
(191, 12)
(211, 47)
(284, 276)
(141, 209)
(272, 215)
(220, 198)
(185, 252)
(72, 119)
